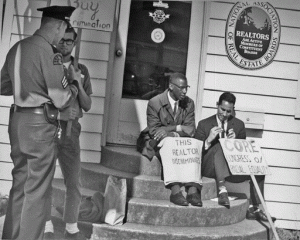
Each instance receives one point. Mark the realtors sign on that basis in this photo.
(252, 34)
(244, 157)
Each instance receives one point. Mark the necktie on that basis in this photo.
(175, 108)
(223, 132)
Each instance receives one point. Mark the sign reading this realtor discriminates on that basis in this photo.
(91, 14)
(181, 159)
(252, 34)
(244, 157)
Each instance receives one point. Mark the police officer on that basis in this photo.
(33, 73)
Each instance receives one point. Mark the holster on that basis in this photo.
(50, 113)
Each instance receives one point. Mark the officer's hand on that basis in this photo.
(160, 134)
(74, 74)
(67, 114)
(231, 133)
(213, 133)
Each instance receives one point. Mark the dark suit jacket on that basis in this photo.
(208, 156)
(205, 125)
(160, 115)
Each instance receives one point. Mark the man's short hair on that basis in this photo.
(72, 30)
(177, 75)
(228, 97)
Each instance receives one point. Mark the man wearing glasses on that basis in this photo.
(68, 146)
(172, 114)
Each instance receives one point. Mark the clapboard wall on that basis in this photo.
(271, 91)
(21, 22)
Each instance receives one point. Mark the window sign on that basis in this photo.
(92, 14)
(252, 34)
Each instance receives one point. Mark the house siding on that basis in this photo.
(270, 91)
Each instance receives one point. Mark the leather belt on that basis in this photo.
(35, 110)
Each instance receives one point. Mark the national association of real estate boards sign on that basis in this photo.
(252, 34)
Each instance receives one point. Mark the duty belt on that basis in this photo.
(35, 110)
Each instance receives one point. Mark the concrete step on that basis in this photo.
(244, 230)
(128, 159)
(59, 189)
(165, 213)
(59, 226)
(94, 176)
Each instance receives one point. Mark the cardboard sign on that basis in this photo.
(91, 14)
(181, 159)
(244, 157)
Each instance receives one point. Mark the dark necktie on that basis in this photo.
(175, 108)
(223, 132)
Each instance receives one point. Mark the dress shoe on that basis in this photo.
(257, 214)
(194, 199)
(48, 235)
(223, 199)
(178, 199)
(77, 236)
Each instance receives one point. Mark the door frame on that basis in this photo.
(192, 70)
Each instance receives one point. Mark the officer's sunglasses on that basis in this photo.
(67, 41)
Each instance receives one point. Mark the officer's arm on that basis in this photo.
(6, 83)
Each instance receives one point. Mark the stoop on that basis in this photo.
(150, 214)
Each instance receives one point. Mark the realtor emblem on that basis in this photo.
(159, 16)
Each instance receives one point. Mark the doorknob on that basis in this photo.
(119, 53)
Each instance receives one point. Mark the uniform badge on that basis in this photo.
(57, 60)
(64, 82)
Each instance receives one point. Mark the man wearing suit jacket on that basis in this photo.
(214, 165)
(172, 114)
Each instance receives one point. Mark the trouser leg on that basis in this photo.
(37, 141)
(11, 225)
(221, 166)
(69, 160)
(254, 198)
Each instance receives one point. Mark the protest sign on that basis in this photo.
(91, 14)
(244, 157)
(181, 159)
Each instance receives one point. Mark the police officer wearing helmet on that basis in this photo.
(33, 73)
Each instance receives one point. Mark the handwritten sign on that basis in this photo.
(91, 14)
(244, 157)
(181, 159)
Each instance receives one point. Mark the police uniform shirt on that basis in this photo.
(36, 73)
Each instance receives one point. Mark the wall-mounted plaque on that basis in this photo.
(252, 34)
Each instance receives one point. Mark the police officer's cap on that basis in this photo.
(59, 12)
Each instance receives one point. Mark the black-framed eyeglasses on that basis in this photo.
(67, 41)
(182, 87)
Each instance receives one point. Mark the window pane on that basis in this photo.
(157, 46)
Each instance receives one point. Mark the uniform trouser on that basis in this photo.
(214, 165)
(33, 152)
(69, 161)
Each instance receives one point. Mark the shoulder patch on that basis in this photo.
(64, 82)
(57, 60)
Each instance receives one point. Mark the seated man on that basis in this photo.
(171, 114)
(214, 164)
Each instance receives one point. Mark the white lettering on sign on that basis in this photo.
(244, 157)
